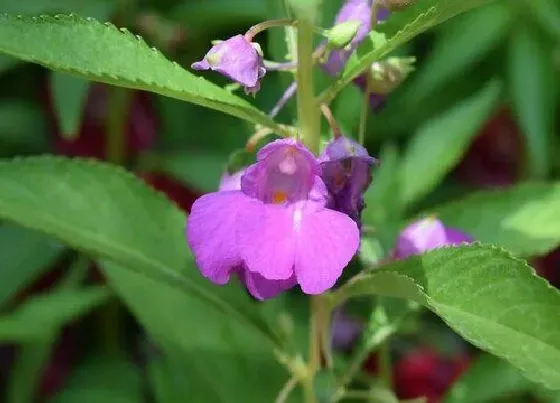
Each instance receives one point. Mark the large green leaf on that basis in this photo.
(101, 9)
(441, 142)
(101, 52)
(42, 315)
(397, 30)
(532, 81)
(488, 379)
(107, 379)
(205, 345)
(25, 254)
(491, 298)
(523, 219)
(107, 212)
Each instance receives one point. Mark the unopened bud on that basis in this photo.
(342, 34)
(387, 75)
(395, 5)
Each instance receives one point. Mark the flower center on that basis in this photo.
(279, 197)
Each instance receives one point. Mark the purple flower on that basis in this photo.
(352, 10)
(345, 331)
(346, 171)
(276, 228)
(238, 59)
(231, 181)
(427, 234)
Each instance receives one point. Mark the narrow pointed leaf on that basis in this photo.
(69, 95)
(441, 142)
(532, 80)
(25, 255)
(463, 43)
(101, 52)
(42, 315)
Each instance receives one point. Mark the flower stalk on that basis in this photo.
(308, 109)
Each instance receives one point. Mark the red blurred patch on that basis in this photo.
(59, 367)
(549, 267)
(425, 372)
(141, 125)
(496, 156)
(176, 191)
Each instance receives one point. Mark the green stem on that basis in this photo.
(257, 29)
(385, 364)
(308, 109)
(116, 139)
(364, 112)
(119, 99)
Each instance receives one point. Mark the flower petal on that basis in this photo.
(265, 236)
(211, 233)
(456, 237)
(326, 242)
(261, 288)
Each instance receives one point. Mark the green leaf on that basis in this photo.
(25, 254)
(522, 219)
(42, 315)
(107, 379)
(487, 380)
(101, 52)
(100, 9)
(199, 169)
(22, 128)
(441, 142)
(7, 63)
(69, 96)
(384, 192)
(532, 82)
(32, 357)
(211, 345)
(492, 299)
(463, 43)
(22, 383)
(108, 213)
(398, 29)
(547, 13)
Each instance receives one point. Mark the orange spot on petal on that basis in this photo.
(279, 197)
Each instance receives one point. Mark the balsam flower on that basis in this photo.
(352, 10)
(237, 59)
(427, 234)
(346, 171)
(257, 285)
(276, 227)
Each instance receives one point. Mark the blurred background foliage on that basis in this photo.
(479, 112)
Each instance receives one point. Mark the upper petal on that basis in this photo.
(326, 242)
(284, 172)
(211, 233)
(265, 235)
